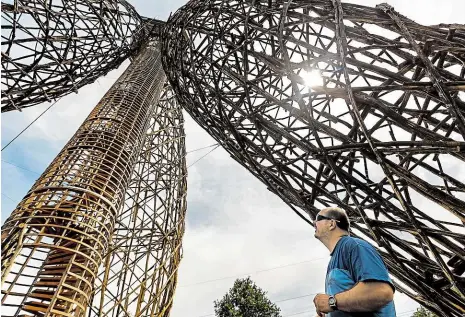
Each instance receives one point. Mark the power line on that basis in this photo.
(292, 298)
(250, 273)
(33, 121)
(275, 301)
(8, 197)
(26, 169)
(205, 147)
(57, 100)
(204, 155)
(29, 170)
(21, 167)
(402, 314)
(299, 313)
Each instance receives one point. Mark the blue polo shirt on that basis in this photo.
(354, 260)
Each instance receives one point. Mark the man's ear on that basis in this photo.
(333, 225)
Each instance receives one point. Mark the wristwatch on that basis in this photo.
(332, 302)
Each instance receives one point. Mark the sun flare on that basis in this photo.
(312, 78)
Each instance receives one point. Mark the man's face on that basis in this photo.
(323, 226)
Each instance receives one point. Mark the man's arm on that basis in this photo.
(365, 297)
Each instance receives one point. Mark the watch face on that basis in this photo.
(332, 301)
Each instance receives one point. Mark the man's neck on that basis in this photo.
(331, 244)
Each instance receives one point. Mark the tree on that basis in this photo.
(422, 312)
(245, 299)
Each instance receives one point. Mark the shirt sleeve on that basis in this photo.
(367, 265)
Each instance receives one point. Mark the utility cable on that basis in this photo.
(33, 121)
(276, 301)
(21, 167)
(8, 197)
(250, 273)
(29, 170)
(57, 100)
(204, 155)
(205, 147)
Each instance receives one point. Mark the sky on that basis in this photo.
(235, 226)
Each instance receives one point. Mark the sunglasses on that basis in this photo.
(321, 217)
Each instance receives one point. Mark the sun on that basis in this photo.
(312, 78)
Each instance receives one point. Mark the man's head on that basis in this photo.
(331, 222)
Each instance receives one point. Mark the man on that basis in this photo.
(357, 280)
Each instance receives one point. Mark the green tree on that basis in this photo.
(245, 299)
(422, 312)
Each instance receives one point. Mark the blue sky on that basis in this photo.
(235, 226)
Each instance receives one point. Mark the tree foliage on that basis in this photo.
(422, 312)
(245, 299)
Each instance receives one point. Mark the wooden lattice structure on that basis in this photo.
(139, 276)
(90, 209)
(326, 103)
(52, 48)
(340, 104)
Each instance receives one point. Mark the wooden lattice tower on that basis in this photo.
(140, 274)
(104, 201)
(340, 104)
